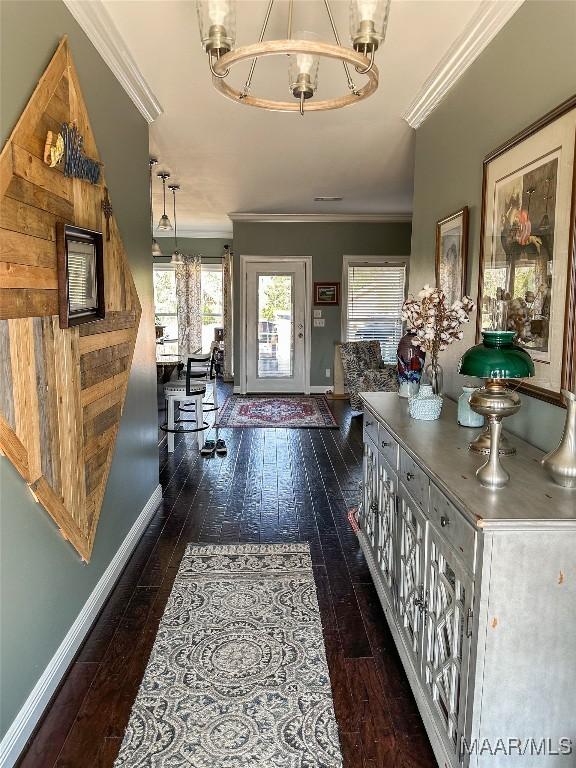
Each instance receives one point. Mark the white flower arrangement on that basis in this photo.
(435, 324)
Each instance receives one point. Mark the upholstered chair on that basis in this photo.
(365, 371)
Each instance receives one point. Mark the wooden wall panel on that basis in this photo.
(62, 390)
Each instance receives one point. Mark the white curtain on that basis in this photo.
(189, 302)
(227, 312)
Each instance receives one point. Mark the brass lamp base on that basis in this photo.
(482, 444)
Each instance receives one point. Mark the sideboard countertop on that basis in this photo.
(441, 448)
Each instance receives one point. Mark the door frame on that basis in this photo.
(277, 261)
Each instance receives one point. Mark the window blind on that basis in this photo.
(375, 296)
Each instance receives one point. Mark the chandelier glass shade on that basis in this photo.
(368, 22)
(155, 247)
(164, 223)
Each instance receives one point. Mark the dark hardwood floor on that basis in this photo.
(274, 485)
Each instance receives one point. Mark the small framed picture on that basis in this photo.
(80, 275)
(452, 254)
(326, 293)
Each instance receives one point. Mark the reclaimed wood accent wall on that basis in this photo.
(61, 390)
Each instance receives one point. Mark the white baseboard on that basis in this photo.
(26, 720)
(321, 389)
(236, 389)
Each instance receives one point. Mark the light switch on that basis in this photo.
(317, 313)
(319, 323)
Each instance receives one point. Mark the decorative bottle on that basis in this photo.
(410, 361)
(561, 463)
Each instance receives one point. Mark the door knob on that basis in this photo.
(300, 335)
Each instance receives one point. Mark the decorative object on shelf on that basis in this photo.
(452, 254)
(156, 251)
(561, 463)
(466, 416)
(164, 223)
(80, 257)
(496, 360)
(326, 294)
(436, 324)
(410, 363)
(527, 247)
(425, 406)
(77, 164)
(368, 22)
(53, 152)
(107, 211)
(176, 254)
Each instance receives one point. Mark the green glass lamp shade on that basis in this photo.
(497, 358)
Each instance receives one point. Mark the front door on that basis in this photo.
(275, 344)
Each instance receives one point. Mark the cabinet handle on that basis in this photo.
(409, 476)
(444, 521)
(369, 423)
(385, 444)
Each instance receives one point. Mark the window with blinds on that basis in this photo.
(374, 299)
(82, 289)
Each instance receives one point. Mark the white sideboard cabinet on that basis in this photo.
(478, 587)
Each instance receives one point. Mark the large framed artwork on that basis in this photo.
(527, 262)
(452, 254)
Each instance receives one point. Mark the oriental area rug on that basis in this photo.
(238, 674)
(287, 411)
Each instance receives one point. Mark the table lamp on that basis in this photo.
(496, 360)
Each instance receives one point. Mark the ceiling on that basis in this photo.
(229, 158)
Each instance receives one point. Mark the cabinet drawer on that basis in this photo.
(370, 427)
(452, 526)
(388, 447)
(414, 479)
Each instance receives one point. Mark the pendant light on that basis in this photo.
(164, 222)
(368, 22)
(176, 255)
(155, 247)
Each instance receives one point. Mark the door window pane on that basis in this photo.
(275, 326)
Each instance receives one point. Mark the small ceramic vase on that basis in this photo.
(410, 362)
(466, 416)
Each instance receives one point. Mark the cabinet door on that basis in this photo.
(367, 516)
(447, 637)
(386, 528)
(412, 527)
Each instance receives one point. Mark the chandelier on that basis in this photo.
(368, 21)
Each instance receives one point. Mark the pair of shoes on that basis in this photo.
(211, 446)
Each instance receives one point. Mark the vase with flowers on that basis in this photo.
(435, 325)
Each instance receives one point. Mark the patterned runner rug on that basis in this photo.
(238, 675)
(293, 411)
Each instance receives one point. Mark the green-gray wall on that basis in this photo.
(516, 80)
(43, 584)
(327, 244)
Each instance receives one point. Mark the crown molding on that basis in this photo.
(484, 25)
(323, 218)
(103, 34)
(189, 232)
